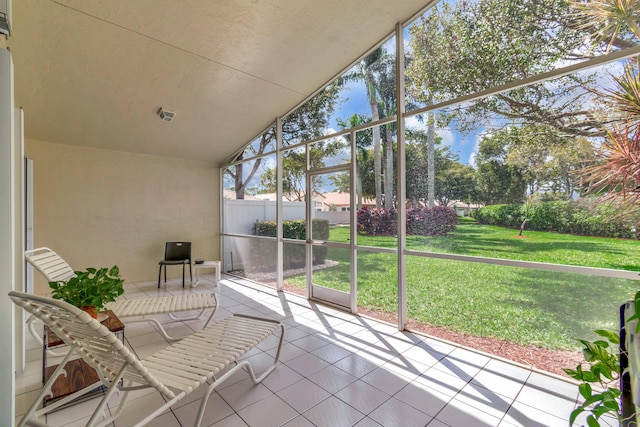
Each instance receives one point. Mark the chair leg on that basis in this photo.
(183, 275)
(165, 273)
(191, 273)
(159, 275)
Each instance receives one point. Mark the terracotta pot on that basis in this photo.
(91, 310)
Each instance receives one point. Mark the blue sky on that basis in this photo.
(466, 145)
(355, 101)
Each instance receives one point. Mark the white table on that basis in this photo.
(206, 264)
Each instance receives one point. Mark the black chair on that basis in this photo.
(176, 253)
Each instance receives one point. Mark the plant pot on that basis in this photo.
(93, 312)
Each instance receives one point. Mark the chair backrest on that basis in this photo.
(93, 341)
(50, 264)
(177, 251)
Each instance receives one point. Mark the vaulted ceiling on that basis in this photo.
(94, 73)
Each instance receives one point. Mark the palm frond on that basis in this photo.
(626, 96)
(616, 175)
(606, 20)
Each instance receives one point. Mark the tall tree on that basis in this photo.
(536, 154)
(364, 141)
(454, 180)
(294, 169)
(306, 122)
(386, 79)
(455, 183)
(366, 71)
(616, 171)
(377, 71)
(236, 172)
(472, 46)
(497, 182)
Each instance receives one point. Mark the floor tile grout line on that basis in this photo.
(246, 301)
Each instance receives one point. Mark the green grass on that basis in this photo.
(520, 305)
(498, 242)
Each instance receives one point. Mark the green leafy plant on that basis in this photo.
(602, 368)
(90, 288)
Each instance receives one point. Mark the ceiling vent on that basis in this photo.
(165, 115)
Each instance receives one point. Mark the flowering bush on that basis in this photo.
(377, 221)
(420, 221)
(434, 221)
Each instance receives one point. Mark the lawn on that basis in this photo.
(520, 305)
(470, 238)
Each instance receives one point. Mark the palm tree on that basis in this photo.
(617, 171)
(363, 144)
(366, 71)
(609, 21)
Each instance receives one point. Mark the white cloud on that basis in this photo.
(472, 160)
(447, 135)
(268, 162)
(413, 123)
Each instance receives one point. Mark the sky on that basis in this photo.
(465, 146)
(355, 101)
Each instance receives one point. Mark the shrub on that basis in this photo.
(431, 221)
(603, 220)
(503, 215)
(420, 221)
(377, 221)
(292, 229)
(562, 216)
(552, 216)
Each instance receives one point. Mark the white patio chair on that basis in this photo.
(174, 371)
(56, 269)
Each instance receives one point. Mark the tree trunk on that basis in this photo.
(431, 166)
(358, 188)
(377, 155)
(238, 184)
(388, 175)
(522, 226)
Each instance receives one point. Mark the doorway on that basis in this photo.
(330, 250)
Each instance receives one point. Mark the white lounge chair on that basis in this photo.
(56, 269)
(174, 371)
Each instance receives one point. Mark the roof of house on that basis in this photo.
(343, 199)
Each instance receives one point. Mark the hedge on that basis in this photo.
(294, 256)
(420, 221)
(502, 215)
(377, 221)
(566, 216)
(434, 221)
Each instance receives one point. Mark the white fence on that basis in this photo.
(239, 218)
(241, 215)
(334, 217)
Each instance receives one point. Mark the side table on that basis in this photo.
(79, 373)
(206, 264)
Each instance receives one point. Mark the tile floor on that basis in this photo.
(336, 370)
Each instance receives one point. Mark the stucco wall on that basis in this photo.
(99, 208)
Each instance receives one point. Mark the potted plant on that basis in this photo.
(91, 289)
